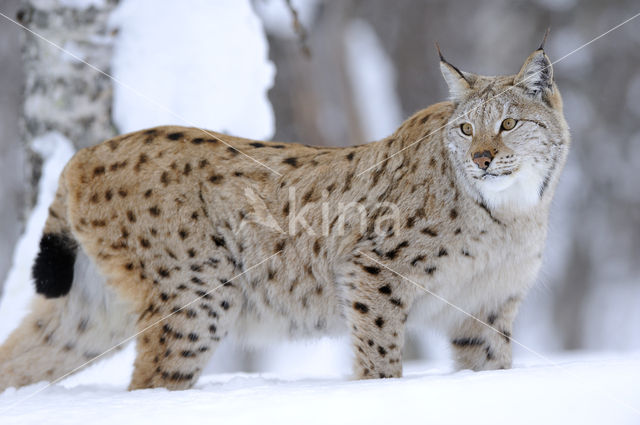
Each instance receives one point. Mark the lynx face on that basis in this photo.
(507, 133)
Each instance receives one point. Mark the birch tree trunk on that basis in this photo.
(59, 91)
(12, 154)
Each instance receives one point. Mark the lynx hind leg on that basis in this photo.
(62, 335)
(477, 346)
(376, 310)
(181, 328)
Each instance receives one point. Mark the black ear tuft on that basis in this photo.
(544, 39)
(53, 268)
(459, 82)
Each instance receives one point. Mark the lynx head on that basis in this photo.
(507, 135)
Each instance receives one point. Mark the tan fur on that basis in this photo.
(171, 213)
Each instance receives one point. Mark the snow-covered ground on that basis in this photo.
(578, 389)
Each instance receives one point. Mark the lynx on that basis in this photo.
(181, 237)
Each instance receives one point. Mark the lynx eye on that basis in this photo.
(508, 124)
(466, 129)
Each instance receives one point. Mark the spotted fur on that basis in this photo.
(171, 215)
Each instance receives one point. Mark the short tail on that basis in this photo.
(53, 267)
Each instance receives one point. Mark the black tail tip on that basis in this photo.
(53, 268)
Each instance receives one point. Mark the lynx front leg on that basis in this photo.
(477, 346)
(376, 310)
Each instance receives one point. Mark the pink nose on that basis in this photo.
(482, 159)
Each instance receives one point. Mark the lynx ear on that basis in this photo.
(536, 75)
(459, 83)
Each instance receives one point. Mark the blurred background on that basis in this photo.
(338, 73)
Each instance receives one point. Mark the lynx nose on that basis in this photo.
(482, 159)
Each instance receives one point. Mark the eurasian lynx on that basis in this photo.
(194, 235)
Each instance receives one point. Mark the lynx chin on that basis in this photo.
(163, 230)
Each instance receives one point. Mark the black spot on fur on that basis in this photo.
(379, 322)
(53, 268)
(164, 178)
(386, 289)
(371, 269)
(293, 161)
(187, 169)
(216, 178)
(429, 231)
(397, 302)
(467, 342)
(394, 252)
(218, 240)
(257, 145)
(362, 308)
(489, 352)
(175, 136)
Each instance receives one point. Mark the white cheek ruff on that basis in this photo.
(518, 191)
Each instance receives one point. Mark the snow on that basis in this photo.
(581, 388)
(205, 66)
(372, 78)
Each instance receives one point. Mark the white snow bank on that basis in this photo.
(198, 63)
(55, 151)
(579, 390)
